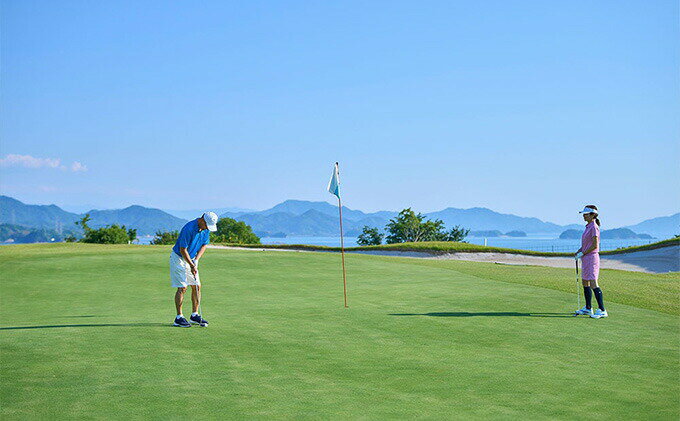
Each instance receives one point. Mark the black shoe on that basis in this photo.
(181, 322)
(197, 319)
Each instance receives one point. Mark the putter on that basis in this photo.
(200, 311)
(578, 295)
(199, 294)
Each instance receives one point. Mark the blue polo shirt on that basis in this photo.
(191, 238)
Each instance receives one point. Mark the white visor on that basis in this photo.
(588, 210)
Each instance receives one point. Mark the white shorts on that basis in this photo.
(180, 272)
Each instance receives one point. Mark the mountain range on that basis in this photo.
(297, 218)
(146, 220)
(195, 213)
(301, 218)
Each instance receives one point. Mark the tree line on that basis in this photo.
(110, 234)
(409, 226)
(228, 231)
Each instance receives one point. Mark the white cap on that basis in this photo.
(589, 210)
(210, 219)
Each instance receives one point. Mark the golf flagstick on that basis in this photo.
(342, 252)
(334, 189)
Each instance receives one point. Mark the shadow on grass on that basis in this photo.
(487, 314)
(89, 325)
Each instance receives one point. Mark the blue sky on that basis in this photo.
(527, 107)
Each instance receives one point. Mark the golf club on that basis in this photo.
(199, 294)
(578, 295)
(200, 311)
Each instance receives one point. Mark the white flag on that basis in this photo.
(334, 184)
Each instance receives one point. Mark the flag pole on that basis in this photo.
(342, 249)
(342, 252)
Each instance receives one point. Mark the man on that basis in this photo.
(184, 258)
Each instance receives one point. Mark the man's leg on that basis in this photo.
(179, 299)
(195, 297)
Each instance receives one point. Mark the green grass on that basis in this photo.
(443, 247)
(85, 334)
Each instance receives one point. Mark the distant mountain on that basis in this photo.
(290, 217)
(52, 217)
(483, 219)
(19, 234)
(304, 218)
(299, 207)
(297, 218)
(662, 227)
(146, 220)
(309, 223)
(195, 213)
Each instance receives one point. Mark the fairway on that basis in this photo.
(86, 332)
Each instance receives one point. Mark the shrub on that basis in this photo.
(235, 232)
(165, 238)
(411, 227)
(111, 234)
(370, 237)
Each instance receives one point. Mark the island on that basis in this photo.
(486, 234)
(612, 234)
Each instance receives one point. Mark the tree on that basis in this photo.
(165, 238)
(411, 227)
(234, 232)
(457, 234)
(111, 234)
(370, 237)
(132, 234)
(83, 222)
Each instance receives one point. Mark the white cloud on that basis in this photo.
(28, 161)
(77, 166)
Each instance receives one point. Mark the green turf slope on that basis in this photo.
(84, 332)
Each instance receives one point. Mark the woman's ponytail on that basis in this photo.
(597, 221)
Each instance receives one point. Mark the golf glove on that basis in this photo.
(578, 255)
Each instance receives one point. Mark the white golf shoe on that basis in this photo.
(599, 314)
(584, 312)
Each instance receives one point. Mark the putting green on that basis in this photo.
(85, 332)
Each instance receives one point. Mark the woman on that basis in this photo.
(589, 253)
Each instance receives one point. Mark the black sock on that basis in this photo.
(587, 293)
(598, 296)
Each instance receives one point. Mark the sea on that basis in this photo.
(534, 242)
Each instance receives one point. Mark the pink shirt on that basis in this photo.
(592, 230)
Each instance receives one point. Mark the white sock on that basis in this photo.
(178, 316)
(194, 314)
